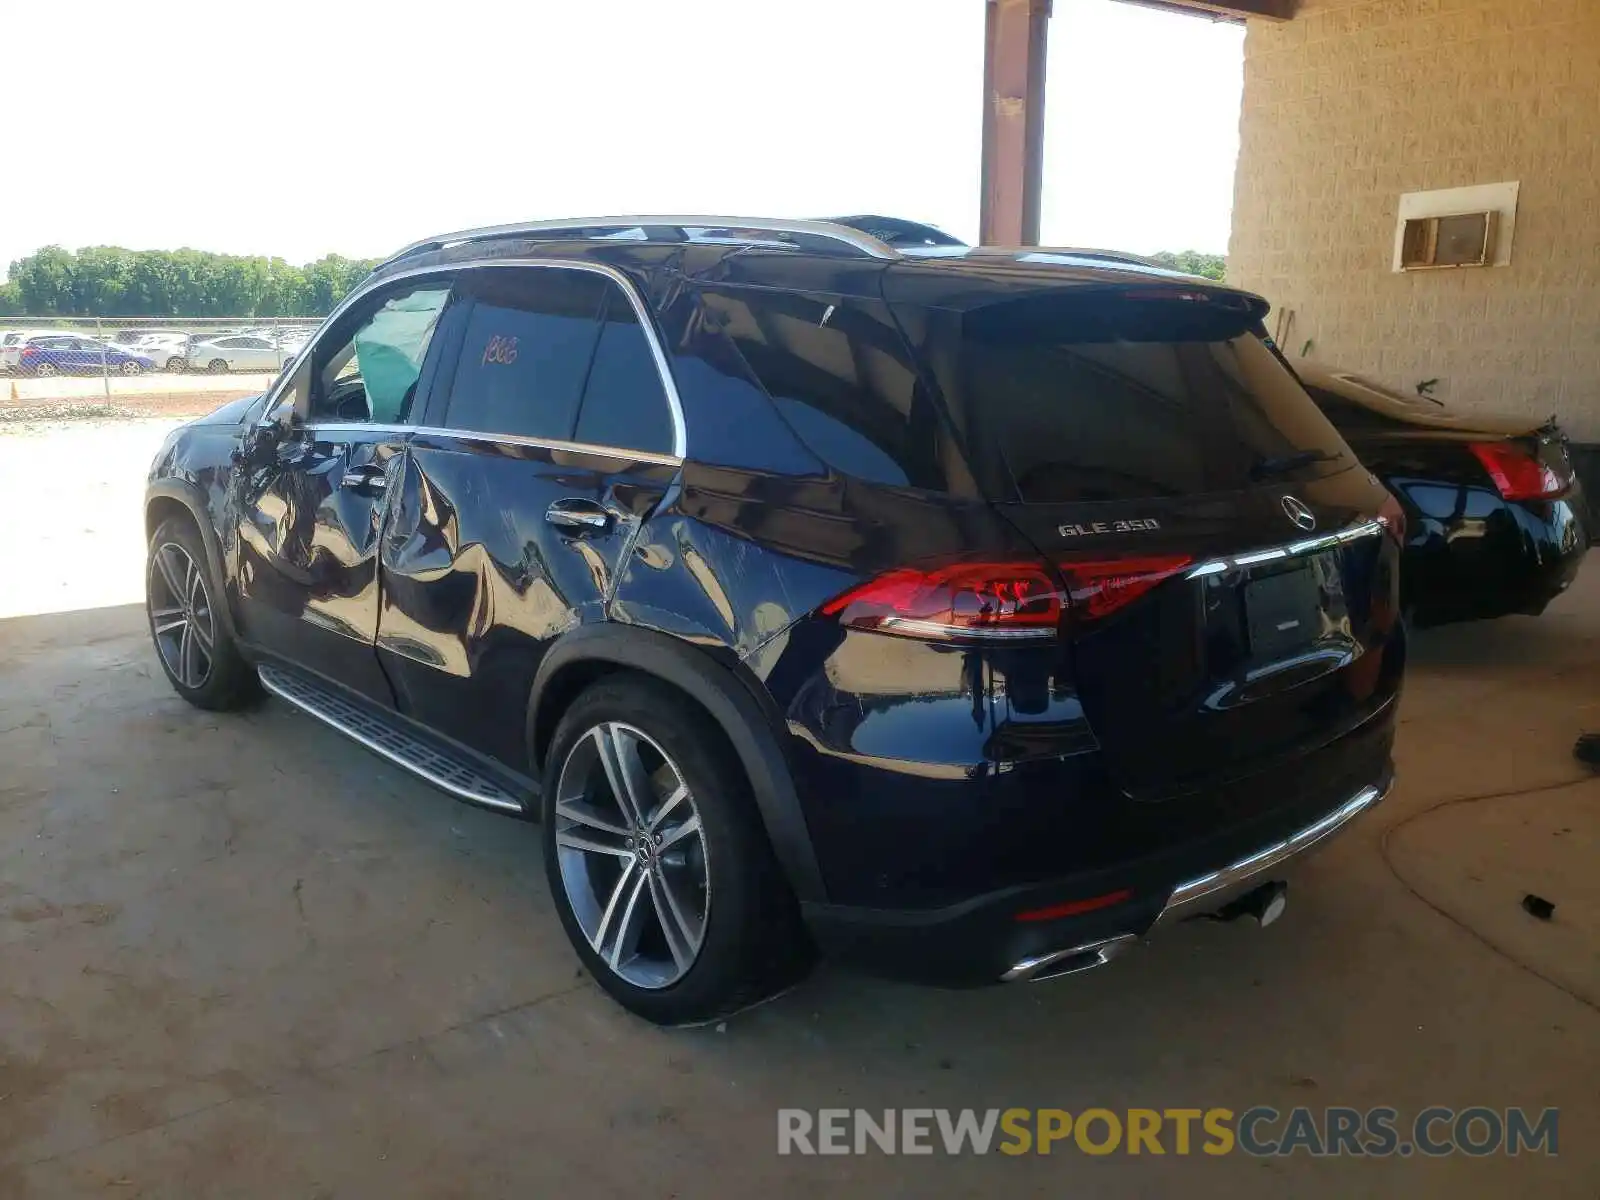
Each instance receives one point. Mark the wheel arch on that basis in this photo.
(745, 714)
(168, 498)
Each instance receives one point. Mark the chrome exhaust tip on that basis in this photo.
(1071, 961)
(1263, 905)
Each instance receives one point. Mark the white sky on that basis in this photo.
(296, 128)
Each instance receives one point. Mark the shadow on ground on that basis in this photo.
(242, 957)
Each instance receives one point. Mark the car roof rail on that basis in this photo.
(897, 231)
(822, 237)
(1086, 252)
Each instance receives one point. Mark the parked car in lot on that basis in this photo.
(12, 341)
(129, 338)
(236, 352)
(1495, 512)
(965, 615)
(170, 350)
(59, 354)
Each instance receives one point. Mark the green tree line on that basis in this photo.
(1192, 262)
(108, 281)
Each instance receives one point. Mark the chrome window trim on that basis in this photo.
(509, 439)
(354, 427)
(844, 234)
(517, 439)
(1351, 533)
(657, 352)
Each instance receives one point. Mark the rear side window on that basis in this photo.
(624, 403)
(1127, 396)
(530, 338)
(839, 373)
(559, 355)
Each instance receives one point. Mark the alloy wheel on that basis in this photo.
(45, 369)
(130, 368)
(181, 616)
(632, 855)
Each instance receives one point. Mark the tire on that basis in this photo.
(218, 366)
(192, 643)
(45, 370)
(177, 366)
(131, 368)
(750, 941)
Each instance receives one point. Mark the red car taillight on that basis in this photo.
(998, 600)
(1393, 519)
(1517, 472)
(1097, 588)
(27, 352)
(988, 601)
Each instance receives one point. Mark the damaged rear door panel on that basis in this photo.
(547, 441)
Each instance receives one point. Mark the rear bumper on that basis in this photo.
(1517, 560)
(981, 941)
(1211, 890)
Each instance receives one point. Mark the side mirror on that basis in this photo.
(259, 447)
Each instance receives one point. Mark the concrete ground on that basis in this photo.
(240, 957)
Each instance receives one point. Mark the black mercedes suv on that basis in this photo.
(962, 612)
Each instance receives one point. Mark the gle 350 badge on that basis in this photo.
(1095, 528)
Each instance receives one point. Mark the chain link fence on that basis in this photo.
(124, 348)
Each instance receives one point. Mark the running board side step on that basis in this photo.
(391, 740)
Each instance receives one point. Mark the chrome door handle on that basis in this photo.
(584, 516)
(367, 479)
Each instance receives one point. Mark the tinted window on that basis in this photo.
(530, 337)
(624, 403)
(838, 371)
(1110, 398)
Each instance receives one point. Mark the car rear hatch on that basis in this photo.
(1230, 585)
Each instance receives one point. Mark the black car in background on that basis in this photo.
(1494, 510)
(963, 613)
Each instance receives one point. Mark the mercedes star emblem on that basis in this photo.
(1299, 513)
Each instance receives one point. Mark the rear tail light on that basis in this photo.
(998, 600)
(987, 601)
(1100, 587)
(1517, 472)
(1393, 519)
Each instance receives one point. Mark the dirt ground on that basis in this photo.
(31, 413)
(240, 957)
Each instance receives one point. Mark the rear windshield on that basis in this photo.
(1091, 397)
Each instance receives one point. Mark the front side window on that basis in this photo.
(371, 373)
